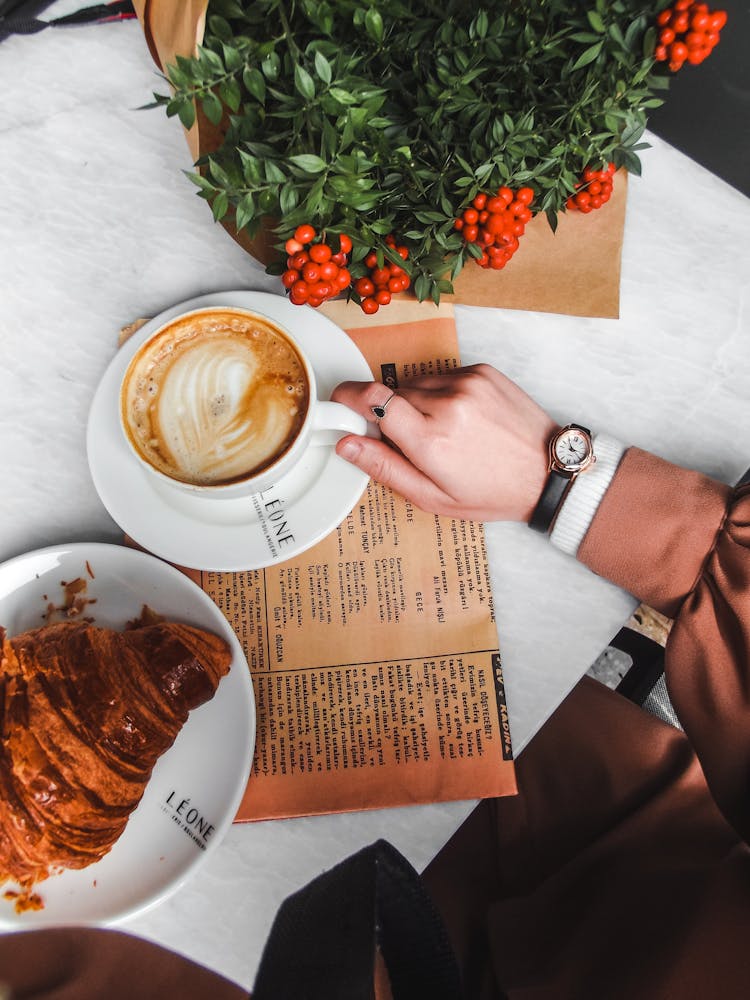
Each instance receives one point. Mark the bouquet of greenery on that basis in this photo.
(398, 140)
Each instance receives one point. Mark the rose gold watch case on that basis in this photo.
(572, 470)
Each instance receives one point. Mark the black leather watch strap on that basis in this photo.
(554, 491)
(562, 471)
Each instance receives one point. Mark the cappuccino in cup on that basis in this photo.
(221, 401)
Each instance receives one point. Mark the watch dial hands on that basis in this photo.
(571, 450)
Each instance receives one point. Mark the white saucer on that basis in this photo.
(208, 764)
(230, 534)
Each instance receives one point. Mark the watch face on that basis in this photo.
(571, 449)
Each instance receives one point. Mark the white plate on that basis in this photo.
(208, 764)
(242, 534)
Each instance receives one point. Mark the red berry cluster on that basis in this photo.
(315, 271)
(688, 33)
(593, 189)
(380, 283)
(495, 223)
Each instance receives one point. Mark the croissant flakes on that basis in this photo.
(85, 713)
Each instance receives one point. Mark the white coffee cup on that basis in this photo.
(222, 402)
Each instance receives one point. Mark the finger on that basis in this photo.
(390, 468)
(446, 378)
(431, 382)
(401, 419)
(423, 398)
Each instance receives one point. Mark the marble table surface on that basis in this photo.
(99, 226)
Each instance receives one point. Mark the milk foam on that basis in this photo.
(215, 399)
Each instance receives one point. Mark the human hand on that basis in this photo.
(470, 443)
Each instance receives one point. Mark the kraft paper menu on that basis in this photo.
(374, 654)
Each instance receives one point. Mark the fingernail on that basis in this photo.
(349, 449)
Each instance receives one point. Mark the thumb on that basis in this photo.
(392, 469)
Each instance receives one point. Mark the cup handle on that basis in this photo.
(332, 420)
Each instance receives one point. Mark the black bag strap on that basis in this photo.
(19, 17)
(323, 941)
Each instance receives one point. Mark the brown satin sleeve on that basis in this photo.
(681, 542)
(93, 963)
(654, 528)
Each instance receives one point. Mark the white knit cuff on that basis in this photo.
(585, 495)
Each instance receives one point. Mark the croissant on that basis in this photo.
(85, 713)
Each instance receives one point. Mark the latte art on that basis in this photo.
(215, 397)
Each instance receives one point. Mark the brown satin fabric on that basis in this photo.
(79, 963)
(613, 874)
(693, 548)
(654, 528)
(86, 963)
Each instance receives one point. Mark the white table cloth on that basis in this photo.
(99, 226)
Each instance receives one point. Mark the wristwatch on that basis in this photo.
(571, 451)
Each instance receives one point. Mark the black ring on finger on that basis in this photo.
(379, 411)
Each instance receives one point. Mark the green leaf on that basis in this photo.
(271, 67)
(179, 78)
(212, 107)
(632, 133)
(422, 287)
(251, 167)
(304, 82)
(308, 162)
(632, 164)
(342, 96)
(219, 205)
(255, 84)
(232, 58)
(596, 22)
(245, 211)
(429, 216)
(587, 56)
(218, 173)
(323, 68)
(374, 24)
(273, 172)
(186, 113)
(633, 32)
(220, 27)
(288, 198)
(210, 59)
(230, 94)
(202, 182)
(617, 35)
(229, 8)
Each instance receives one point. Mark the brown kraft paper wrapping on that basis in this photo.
(374, 654)
(545, 273)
